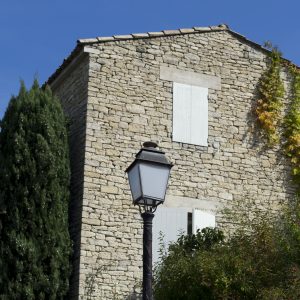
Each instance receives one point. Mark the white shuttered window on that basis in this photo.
(172, 222)
(202, 219)
(190, 114)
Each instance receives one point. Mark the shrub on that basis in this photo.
(263, 263)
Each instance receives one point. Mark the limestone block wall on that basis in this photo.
(71, 88)
(128, 103)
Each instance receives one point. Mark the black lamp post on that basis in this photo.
(148, 179)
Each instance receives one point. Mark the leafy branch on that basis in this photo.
(271, 92)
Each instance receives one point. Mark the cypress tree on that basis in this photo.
(35, 245)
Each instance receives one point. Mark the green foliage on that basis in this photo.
(292, 126)
(271, 92)
(203, 240)
(268, 110)
(263, 263)
(180, 274)
(35, 245)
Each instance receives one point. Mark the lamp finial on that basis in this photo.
(149, 145)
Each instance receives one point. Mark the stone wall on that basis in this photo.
(128, 103)
(71, 88)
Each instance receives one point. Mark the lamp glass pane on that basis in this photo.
(154, 180)
(134, 182)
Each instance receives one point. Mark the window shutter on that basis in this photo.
(171, 222)
(190, 114)
(202, 219)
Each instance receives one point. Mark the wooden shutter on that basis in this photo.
(171, 222)
(190, 114)
(202, 219)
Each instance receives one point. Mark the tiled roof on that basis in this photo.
(153, 34)
(134, 36)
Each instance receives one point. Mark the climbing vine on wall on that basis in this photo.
(269, 108)
(292, 125)
(271, 92)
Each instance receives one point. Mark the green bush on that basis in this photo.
(261, 263)
(35, 246)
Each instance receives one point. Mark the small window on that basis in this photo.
(189, 223)
(190, 114)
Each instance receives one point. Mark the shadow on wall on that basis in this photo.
(93, 290)
(134, 296)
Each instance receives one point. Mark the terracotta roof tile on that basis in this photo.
(171, 32)
(105, 38)
(157, 33)
(187, 30)
(140, 35)
(123, 37)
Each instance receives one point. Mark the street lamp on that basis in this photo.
(148, 177)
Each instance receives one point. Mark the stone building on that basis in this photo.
(192, 91)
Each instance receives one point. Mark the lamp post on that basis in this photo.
(148, 177)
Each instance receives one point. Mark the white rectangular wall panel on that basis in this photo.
(190, 114)
(171, 222)
(182, 106)
(202, 219)
(199, 116)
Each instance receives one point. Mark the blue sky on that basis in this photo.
(36, 35)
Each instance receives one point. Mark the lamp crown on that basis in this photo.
(149, 145)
